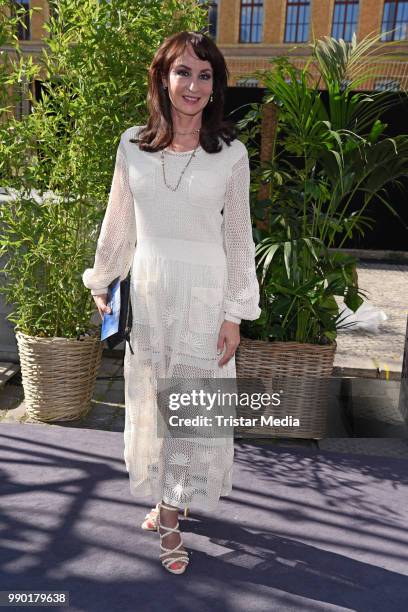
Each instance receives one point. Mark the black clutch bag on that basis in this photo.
(125, 317)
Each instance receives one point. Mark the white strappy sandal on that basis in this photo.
(177, 556)
(150, 522)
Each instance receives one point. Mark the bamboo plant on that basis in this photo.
(57, 161)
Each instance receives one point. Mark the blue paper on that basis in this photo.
(110, 321)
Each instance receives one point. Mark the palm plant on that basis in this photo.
(322, 158)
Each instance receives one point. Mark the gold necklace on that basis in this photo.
(188, 133)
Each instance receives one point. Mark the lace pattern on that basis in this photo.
(193, 266)
(242, 295)
(117, 237)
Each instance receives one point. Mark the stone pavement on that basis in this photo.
(386, 287)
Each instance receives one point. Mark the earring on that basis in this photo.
(211, 98)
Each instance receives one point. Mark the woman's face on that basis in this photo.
(190, 83)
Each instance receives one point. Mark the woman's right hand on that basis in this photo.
(101, 303)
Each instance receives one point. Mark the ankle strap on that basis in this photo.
(166, 507)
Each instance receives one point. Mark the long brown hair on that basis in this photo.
(158, 132)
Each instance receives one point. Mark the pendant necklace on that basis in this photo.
(184, 169)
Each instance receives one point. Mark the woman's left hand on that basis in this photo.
(229, 335)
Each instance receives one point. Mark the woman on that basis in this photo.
(180, 195)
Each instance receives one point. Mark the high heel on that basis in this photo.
(167, 559)
(150, 522)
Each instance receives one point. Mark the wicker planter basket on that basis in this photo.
(301, 372)
(58, 375)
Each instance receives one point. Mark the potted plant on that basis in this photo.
(321, 158)
(57, 164)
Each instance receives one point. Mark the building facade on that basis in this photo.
(250, 32)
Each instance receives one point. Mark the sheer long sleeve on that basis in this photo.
(117, 237)
(242, 296)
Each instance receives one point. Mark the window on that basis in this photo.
(251, 18)
(345, 18)
(23, 27)
(247, 83)
(289, 80)
(395, 18)
(212, 19)
(384, 84)
(211, 6)
(297, 21)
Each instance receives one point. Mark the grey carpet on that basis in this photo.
(303, 530)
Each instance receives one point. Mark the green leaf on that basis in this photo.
(352, 300)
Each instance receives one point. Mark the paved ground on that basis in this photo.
(302, 531)
(386, 286)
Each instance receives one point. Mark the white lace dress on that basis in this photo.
(191, 257)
